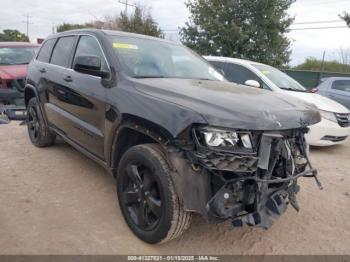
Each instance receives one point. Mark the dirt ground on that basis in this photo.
(57, 201)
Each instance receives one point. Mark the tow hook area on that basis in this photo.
(259, 199)
(275, 206)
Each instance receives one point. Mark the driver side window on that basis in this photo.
(88, 46)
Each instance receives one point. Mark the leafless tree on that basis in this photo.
(344, 56)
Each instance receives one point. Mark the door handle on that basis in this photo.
(68, 79)
(42, 70)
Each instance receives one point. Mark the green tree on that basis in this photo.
(346, 17)
(140, 22)
(245, 29)
(9, 35)
(67, 26)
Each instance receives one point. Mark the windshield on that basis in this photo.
(148, 58)
(279, 78)
(16, 55)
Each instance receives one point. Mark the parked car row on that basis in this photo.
(333, 129)
(178, 138)
(175, 134)
(335, 125)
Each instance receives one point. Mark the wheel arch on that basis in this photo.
(29, 92)
(192, 187)
(136, 131)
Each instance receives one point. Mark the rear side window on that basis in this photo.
(63, 50)
(342, 85)
(45, 51)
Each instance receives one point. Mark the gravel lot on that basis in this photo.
(57, 201)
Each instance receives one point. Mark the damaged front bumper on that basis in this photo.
(251, 188)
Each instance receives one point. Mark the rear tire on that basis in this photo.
(38, 132)
(146, 192)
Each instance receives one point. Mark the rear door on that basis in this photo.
(83, 101)
(340, 91)
(56, 85)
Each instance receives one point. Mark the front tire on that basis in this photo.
(38, 133)
(147, 196)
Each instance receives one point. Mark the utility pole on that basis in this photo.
(126, 3)
(28, 23)
(322, 66)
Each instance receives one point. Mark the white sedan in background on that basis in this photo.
(335, 125)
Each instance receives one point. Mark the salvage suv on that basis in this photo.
(177, 137)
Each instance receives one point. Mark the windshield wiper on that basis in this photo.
(149, 76)
(293, 89)
(204, 79)
(14, 63)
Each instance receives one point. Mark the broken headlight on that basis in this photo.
(226, 139)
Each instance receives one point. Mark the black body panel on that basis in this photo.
(93, 114)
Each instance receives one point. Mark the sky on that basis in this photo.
(172, 14)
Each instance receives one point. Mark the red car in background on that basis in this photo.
(14, 60)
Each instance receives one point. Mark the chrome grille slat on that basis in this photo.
(343, 119)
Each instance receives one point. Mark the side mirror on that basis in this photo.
(252, 83)
(314, 90)
(90, 65)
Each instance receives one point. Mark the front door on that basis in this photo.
(86, 98)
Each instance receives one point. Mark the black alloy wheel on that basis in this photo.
(33, 123)
(39, 134)
(141, 196)
(147, 196)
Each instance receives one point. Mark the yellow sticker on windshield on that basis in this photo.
(265, 72)
(124, 46)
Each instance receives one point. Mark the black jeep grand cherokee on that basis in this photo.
(175, 135)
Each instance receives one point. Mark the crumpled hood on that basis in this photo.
(13, 71)
(321, 102)
(229, 105)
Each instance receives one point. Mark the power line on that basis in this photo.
(317, 28)
(320, 3)
(318, 22)
(292, 29)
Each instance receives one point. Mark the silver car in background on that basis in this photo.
(336, 88)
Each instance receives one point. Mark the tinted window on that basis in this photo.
(220, 66)
(236, 73)
(61, 53)
(342, 85)
(88, 46)
(45, 51)
(149, 58)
